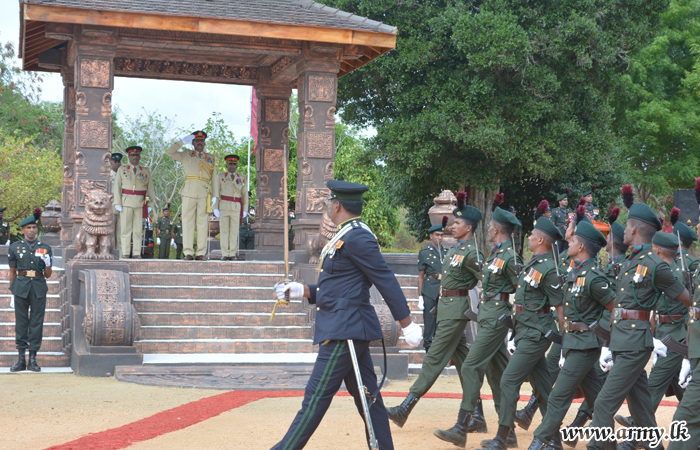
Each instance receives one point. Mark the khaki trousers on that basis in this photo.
(194, 212)
(228, 226)
(131, 221)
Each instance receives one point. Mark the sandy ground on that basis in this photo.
(62, 407)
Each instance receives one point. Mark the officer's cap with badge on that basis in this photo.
(464, 211)
(435, 228)
(547, 227)
(199, 134)
(643, 213)
(665, 240)
(134, 150)
(679, 228)
(505, 218)
(33, 219)
(233, 158)
(588, 231)
(116, 156)
(344, 190)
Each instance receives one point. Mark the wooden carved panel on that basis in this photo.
(316, 200)
(107, 287)
(321, 88)
(273, 160)
(71, 98)
(280, 65)
(94, 134)
(185, 69)
(276, 110)
(319, 145)
(94, 73)
(273, 208)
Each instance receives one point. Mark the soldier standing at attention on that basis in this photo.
(30, 266)
(200, 174)
(133, 190)
(164, 228)
(4, 228)
(538, 290)
(560, 218)
(177, 236)
(591, 209)
(487, 354)
(115, 162)
(350, 264)
(643, 278)
(429, 270)
(246, 235)
(233, 206)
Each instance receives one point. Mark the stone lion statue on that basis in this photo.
(315, 243)
(94, 240)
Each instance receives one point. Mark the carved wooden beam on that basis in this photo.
(178, 70)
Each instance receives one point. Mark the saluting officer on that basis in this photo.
(350, 263)
(4, 228)
(643, 278)
(164, 228)
(133, 190)
(233, 206)
(115, 162)
(177, 236)
(200, 174)
(429, 270)
(487, 354)
(560, 217)
(30, 266)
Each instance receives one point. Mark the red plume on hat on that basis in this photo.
(461, 199)
(541, 209)
(614, 214)
(445, 219)
(628, 195)
(580, 213)
(497, 201)
(593, 187)
(567, 190)
(37, 213)
(675, 214)
(582, 202)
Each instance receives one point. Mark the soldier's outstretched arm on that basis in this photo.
(173, 150)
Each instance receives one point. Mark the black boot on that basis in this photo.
(625, 421)
(33, 366)
(456, 435)
(477, 424)
(579, 421)
(21, 363)
(399, 414)
(499, 442)
(523, 418)
(536, 444)
(627, 445)
(554, 444)
(511, 443)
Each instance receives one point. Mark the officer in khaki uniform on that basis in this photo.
(587, 294)
(177, 236)
(115, 162)
(164, 228)
(487, 354)
(4, 228)
(232, 208)
(199, 186)
(30, 266)
(133, 189)
(429, 270)
(643, 278)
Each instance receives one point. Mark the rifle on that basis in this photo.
(518, 266)
(599, 331)
(553, 337)
(687, 276)
(506, 320)
(479, 261)
(675, 346)
(471, 315)
(557, 261)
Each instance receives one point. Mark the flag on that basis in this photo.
(254, 119)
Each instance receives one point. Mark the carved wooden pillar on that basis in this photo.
(318, 86)
(273, 132)
(67, 198)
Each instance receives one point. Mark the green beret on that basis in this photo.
(618, 231)
(562, 197)
(686, 233)
(435, 228)
(588, 192)
(588, 231)
(585, 219)
(345, 190)
(665, 240)
(3, 209)
(468, 212)
(116, 157)
(28, 221)
(546, 226)
(504, 217)
(642, 211)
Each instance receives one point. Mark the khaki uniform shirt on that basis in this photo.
(459, 271)
(232, 185)
(133, 178)
(200, 171)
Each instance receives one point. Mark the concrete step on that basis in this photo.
(50, 315)
(7, 329)
(210, 292)
(43, 358)
(225, 346)
(415, 356)
(48, 344)
(222, 319)
(225, 332)
(209, 305)
(170, 265)
(170, 278)
(228, 358)
(408, 280)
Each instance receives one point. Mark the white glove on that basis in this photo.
(8, 242)
(158, 241)
(173, 244)
(217, 213)
(12, 301)
(245, 214)
(562, 359)
(188, 139)
(685, 376)
(510, 347)
(421, 306)
(119, 208)
(213, 201)
(412, 334)
(296, 290)
(606, 359)
(150, 209)
(46, 258)
(659, 348)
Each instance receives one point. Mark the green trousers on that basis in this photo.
(626, 379)
(528, 361)
(553, 368)
(29, 327)
(429, 322)
(164, 248)
(487, 356)
(579, 371)
(664, 374)
(689, 410)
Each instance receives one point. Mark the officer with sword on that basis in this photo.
(346, 321)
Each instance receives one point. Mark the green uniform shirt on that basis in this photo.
(644, 277)
(690, 262)
(459, 271)
(177, 232)
(672, 306)
(4, 231)
(538, 287)
(499, 276)
(587, 292)
(593, 211)
(694, 326)
(22, 256)
(164, 226)
(560, 218)
(430, 260)
(610, 272)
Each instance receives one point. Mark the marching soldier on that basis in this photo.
(233, 206)
(164, 228)
(587, 294)
(688, 236)
(592, 210)
(133, 191)
(177, 236)
(487, 354)
(560, 217)
(538, 290)
(350, 264)
(643, 278)
(4, 228)
(30, 266)
(429, 270)
(200, 172)
(246, 235)
(115, 162)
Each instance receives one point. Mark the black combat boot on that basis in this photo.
(554, 443)
(499, 442)
(477, 424)
(627, 445)
(580, 421)
(511, 443)
(33, 366)
(523, 418)
(536, 444)
(399, 414)
(21, 363)
(456, 435)
(625, 421)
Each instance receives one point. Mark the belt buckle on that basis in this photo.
(567, 326)
(691, 312)
(617, 313)
(31, 273)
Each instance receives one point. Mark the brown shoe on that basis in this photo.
(200, 258)
(188, 258)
